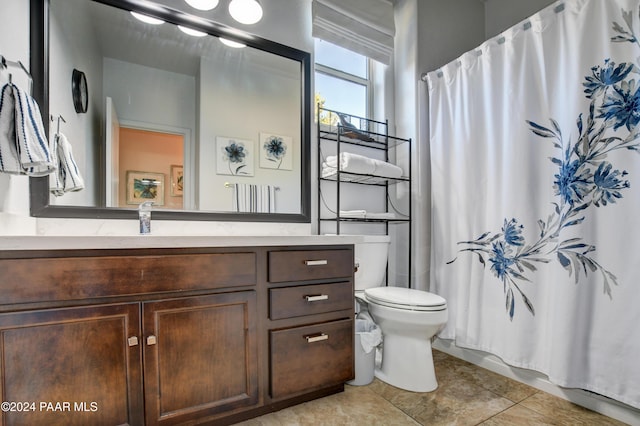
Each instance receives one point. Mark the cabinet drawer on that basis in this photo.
(69, 278)
(297, 301)
(302, 265)
(311, 357)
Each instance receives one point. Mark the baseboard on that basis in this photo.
(595, 402)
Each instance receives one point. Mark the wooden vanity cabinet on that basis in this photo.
(171, 336)
(311, 312)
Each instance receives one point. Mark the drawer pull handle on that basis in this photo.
(316, 262)
(317, 298)
(133, 341)
(151, 340)
(316, 338)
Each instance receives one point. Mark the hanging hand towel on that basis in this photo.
(254, 198)
(9, 162)
(67, 178)
(31, 141)
(56, 185)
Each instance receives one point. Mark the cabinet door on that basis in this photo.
(200, 356)
(71, 366)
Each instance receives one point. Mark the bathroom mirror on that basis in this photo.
(185, 112)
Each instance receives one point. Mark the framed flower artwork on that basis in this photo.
(276, 152)
(234, 156)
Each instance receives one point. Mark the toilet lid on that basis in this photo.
(406, 298)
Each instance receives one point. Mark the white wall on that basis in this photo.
(14, 45)
(135, 94)
(242, 97)
(72, 47)
(502, 14)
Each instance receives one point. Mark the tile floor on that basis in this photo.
(467, 395)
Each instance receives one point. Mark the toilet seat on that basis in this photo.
(405, 298)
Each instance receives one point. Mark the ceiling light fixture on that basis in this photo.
(202, 4)
(147, 19)
(232, 43)
(191, 31)
(245, 11)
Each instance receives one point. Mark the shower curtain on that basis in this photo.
(536, 195)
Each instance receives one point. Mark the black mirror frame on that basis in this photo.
(39, 63)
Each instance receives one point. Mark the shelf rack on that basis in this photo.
(342, 131)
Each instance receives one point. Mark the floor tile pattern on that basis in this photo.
(467, 395)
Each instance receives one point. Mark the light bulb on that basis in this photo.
(232, 43)
(202, 4)
(245, 11)
(147, 19)
(191, 31)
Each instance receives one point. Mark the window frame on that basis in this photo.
(352, 78)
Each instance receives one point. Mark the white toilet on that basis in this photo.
(408, 319)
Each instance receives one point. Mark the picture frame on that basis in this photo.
(276, 151)
(177, 180)
(234, 156)
(145, 186)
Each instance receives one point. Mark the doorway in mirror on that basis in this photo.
(147, 168)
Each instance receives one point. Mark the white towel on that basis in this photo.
(254, 198)
(23, 145)
(353, 213)
(9, 162)
(355, 163)
(328, 172)
(363, 214)
(33, 148)
(381, 215)
(67, 178)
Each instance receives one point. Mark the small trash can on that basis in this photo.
(368, 336)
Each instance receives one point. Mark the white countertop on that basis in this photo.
(164, 241)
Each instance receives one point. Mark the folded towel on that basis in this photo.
(9, 162)
(328, 172)
(355, 163)
(363, 214)
(67, 178)
(23, 144)
(254, 198)
(382, 215)
(353, 213)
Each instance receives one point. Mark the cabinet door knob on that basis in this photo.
(316, 338)
(316, 262)
(133, 341)
(317, 298)
(151, 340)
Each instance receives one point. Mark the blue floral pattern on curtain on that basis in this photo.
(585, 178)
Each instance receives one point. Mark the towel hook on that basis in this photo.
(60, 117)
(4, 63)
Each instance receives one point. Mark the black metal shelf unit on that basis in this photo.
(339, 131)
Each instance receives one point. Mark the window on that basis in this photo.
(342, 79)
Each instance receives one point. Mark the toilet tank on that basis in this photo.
(371, 257)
